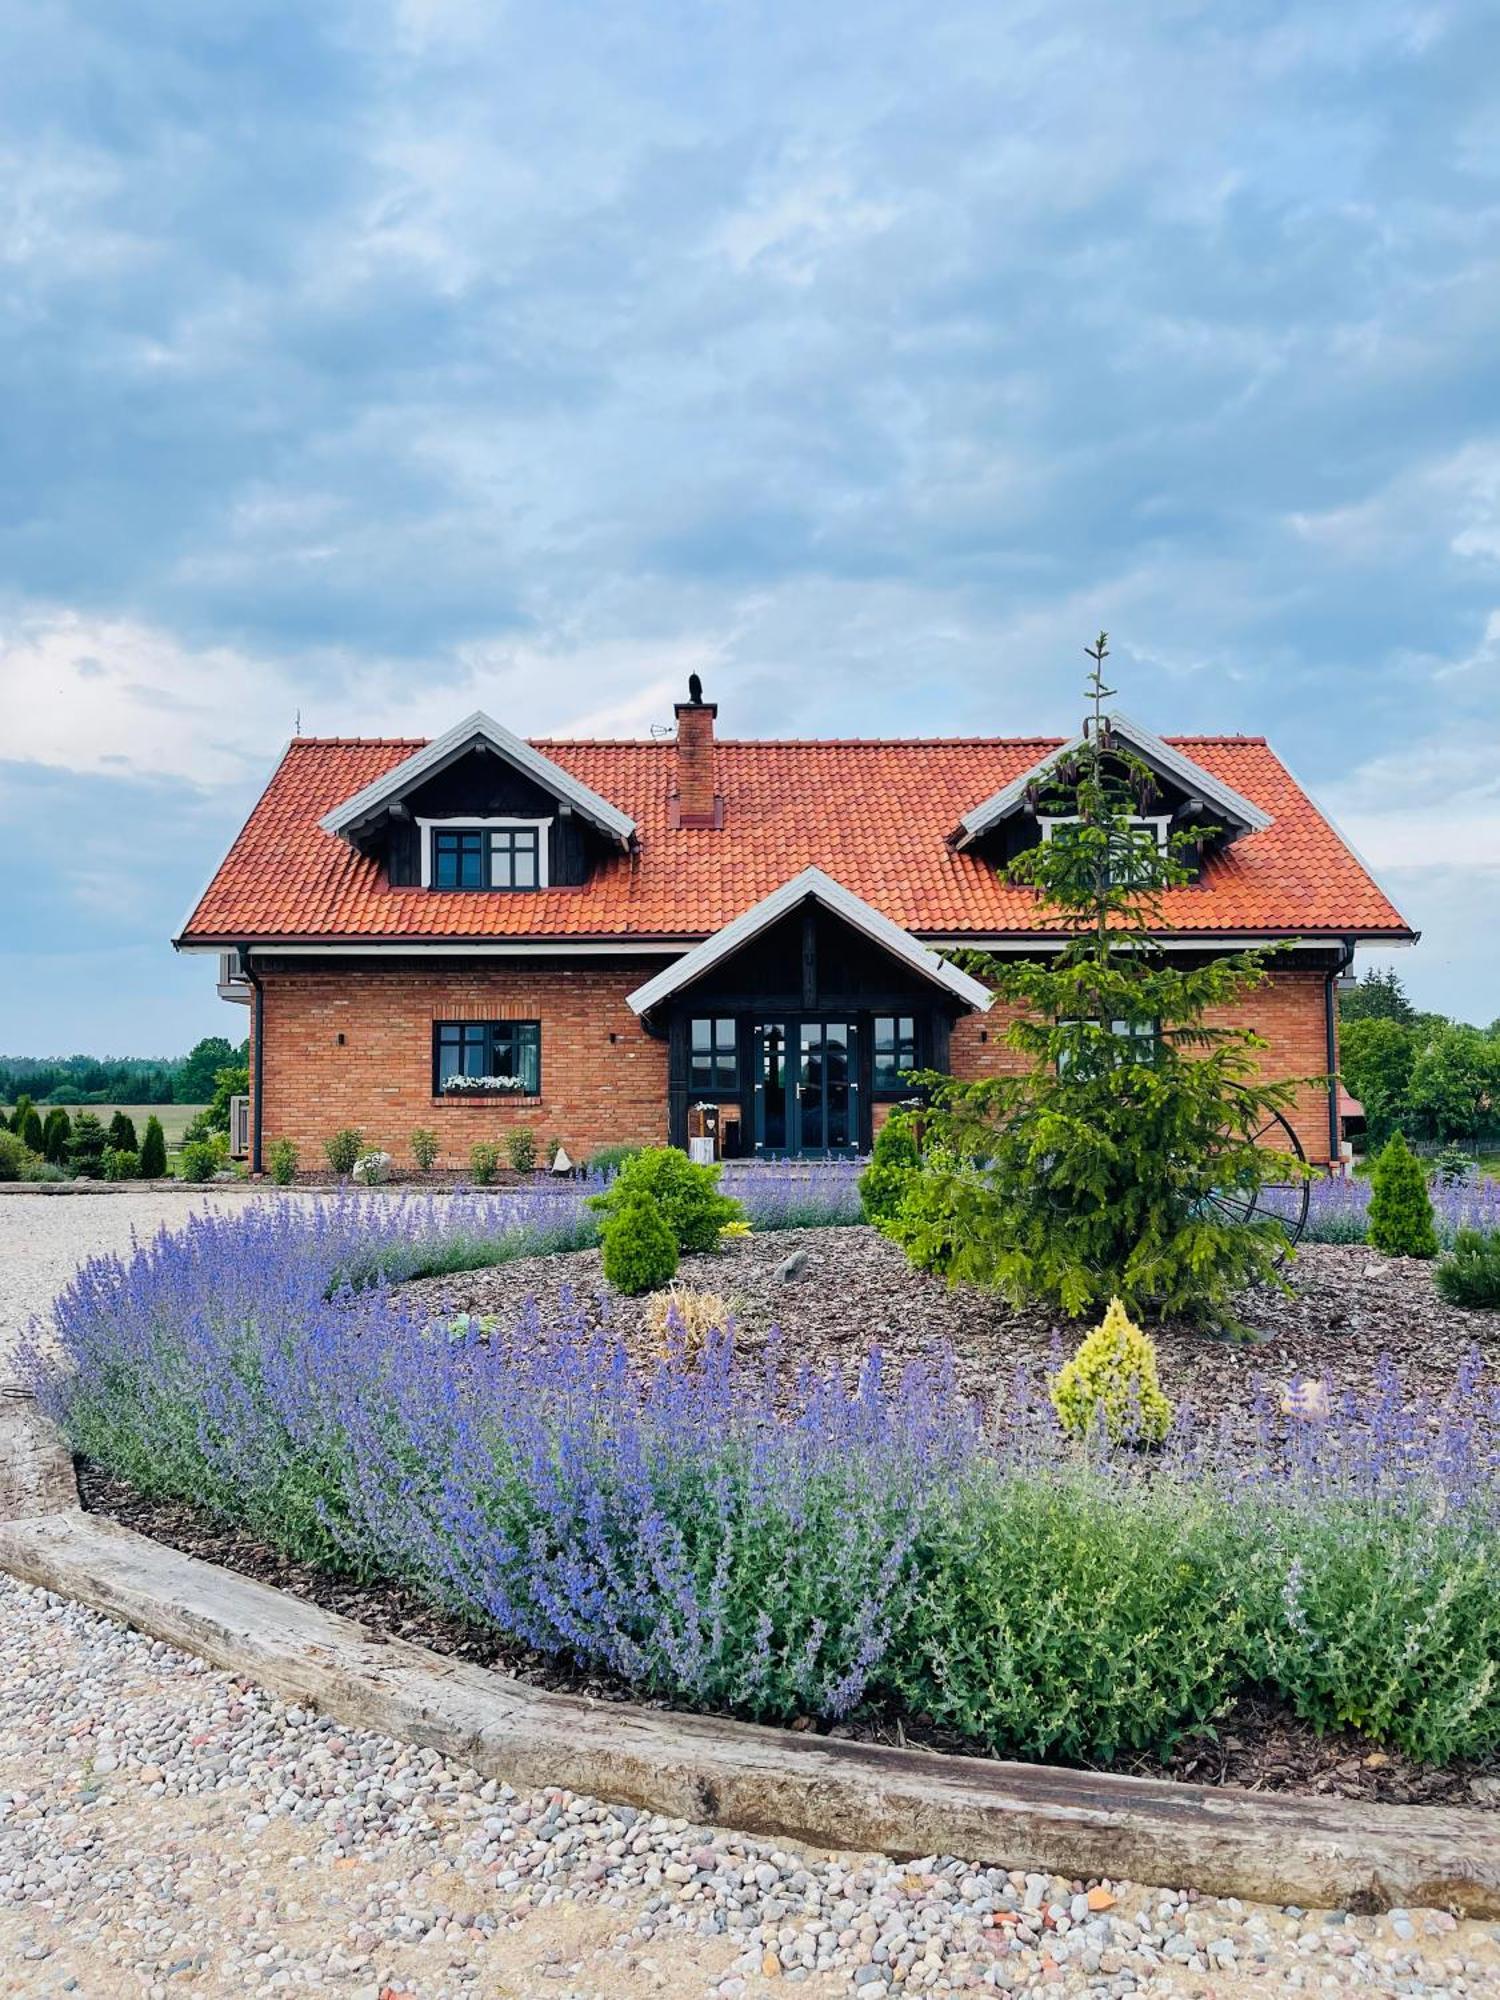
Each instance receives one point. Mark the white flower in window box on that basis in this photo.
(484, 1086)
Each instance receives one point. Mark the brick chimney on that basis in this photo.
(697, 798)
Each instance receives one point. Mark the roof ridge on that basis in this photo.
(1225, 737)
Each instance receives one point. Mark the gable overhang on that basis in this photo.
(345, 820)
(814, 886)
(1166, 761)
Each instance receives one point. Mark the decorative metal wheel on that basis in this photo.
(1283, 1202)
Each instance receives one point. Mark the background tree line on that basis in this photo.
(189, 1079)
(1422, 1074)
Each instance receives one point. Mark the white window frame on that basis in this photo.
(1161, 821)
(467, 823)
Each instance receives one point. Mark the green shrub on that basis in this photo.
(283, 1159)
(1053, 1616)
(1470, 1274)
(153, 1150)
(15, 1157)
(425, 1147)
(344, 1148)
(1452, 1167)
(520, 1148)
(32, 1131)
(42, 1170)
(687, 1195)
(122, 1133)
(200, 1160)
(484, 1162)
(640, 1250)
(18, 1116)
(1111, 1384)
(941, 1203)
(1385, 1620)
(56, 1133)
(609, 1159)
(1401, 1223)
(86, 1146)
(121, 1163)
(892, 1166)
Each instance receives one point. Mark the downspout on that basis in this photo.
(253, 980)
(1331, 1032)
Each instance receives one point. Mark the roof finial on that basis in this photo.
(695, 690)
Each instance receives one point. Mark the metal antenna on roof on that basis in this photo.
(297, 725)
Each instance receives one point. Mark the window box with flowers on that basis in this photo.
(486, 1059)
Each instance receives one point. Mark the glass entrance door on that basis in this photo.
(827, 1088)
(768, 1055)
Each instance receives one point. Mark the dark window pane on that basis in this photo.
(895, 1049)
(490, 1048)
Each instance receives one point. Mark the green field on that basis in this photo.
(174, 1117)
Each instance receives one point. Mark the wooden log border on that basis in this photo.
(1271, 1847)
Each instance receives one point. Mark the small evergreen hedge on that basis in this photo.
(153, 1150)
(1401, 1223)
(640, 1250)
(1470, 1274)
(892, 1165)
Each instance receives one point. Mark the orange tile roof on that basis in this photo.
(874, 815)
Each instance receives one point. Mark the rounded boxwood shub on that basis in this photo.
(1400, 1210)
(640, 1250)
(684, 1192)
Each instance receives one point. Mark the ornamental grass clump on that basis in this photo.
(681, 1319)
(640, 1250)
(1401, 1221)
(1111, 1385)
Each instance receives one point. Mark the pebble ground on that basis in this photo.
(165, 1830)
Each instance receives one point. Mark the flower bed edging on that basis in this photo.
(1272, 1848)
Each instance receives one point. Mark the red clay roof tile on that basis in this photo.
(875, 815)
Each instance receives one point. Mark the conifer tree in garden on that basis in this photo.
(153, 1150)
(1401, 1222)
(1118, 1163)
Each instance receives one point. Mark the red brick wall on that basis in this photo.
(379, 1079)
(1288, 1011)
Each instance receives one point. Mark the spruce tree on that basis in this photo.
(31, 1130)
(1123, 1160)
(1401, 1223)
(56, 1134)
(153, 1150)
(122, 1133)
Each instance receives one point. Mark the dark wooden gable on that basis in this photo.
(1185, 812)
(810, 960)
(481, 785)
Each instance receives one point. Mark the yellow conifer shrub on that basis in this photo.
(1111, 1382)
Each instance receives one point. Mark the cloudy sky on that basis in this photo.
(377, 361)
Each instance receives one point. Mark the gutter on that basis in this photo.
(1331, 1039)
(258, 1033)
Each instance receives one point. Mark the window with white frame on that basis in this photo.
(1124, 854)
(484, 854)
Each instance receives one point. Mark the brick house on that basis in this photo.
(598, 939)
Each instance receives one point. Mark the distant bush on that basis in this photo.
(1111, 1384)
(425, 1147)
(892, 1165)
(484, 1162)
(121, 1163)
(1470, 1274)
(1401, 1223)
(122, 1133)
(283, 1159)
(86, 1146)
(520, 1148)
(153, 1150)
(609, 1159)
(56, 1133)
(640, 1250)
(686, 1193)
(200, 1160)
(344, 1148)
(15, 1157)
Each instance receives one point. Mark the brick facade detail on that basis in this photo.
(353, 1046)
(1288, 1012)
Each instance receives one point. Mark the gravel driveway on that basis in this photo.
(165, 1829)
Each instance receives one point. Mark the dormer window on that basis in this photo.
(484, 854)
(1124, 855)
